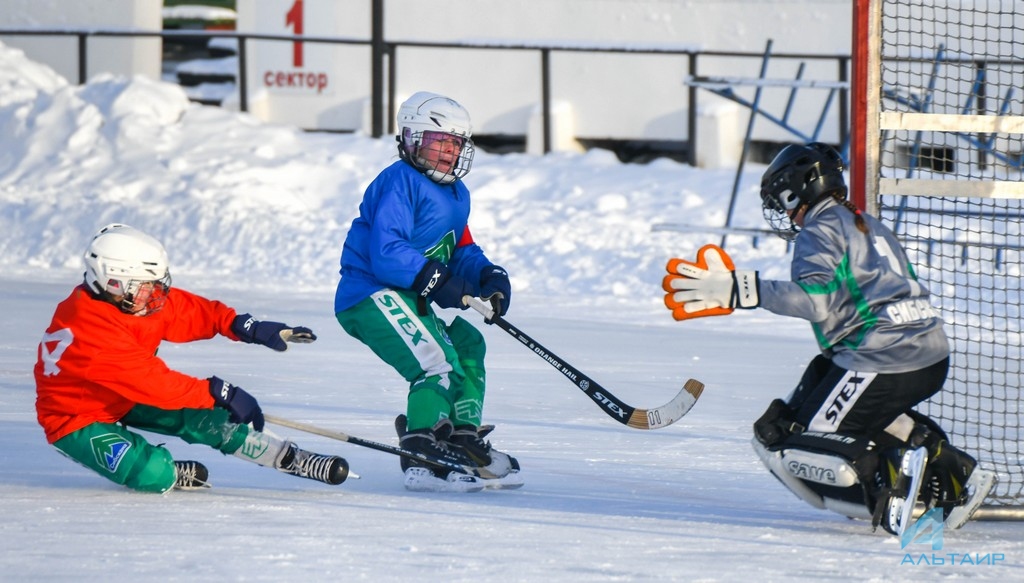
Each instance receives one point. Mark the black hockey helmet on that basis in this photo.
(799, 175)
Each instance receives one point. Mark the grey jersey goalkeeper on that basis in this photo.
(883, 351)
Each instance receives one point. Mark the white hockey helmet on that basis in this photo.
(127, 268)
(427, 118)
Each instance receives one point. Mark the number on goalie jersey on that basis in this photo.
(883, 348)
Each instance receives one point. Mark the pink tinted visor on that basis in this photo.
(430, 137)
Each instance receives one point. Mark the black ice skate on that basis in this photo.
(503, 468)
(471, 440)
(423, 477)
(328, 469)
(954, 482)
(190, 475)
(895, 507)
(957, 485)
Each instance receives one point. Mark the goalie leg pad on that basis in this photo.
(773, 461)
(827, 470)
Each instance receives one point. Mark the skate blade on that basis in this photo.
(196, 488)
(510, 481)
(501, 465)
(912, 466)
(423, 480)
(506, 470)
(979, 485)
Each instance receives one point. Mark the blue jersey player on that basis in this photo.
(410, 250)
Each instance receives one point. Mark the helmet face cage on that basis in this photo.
(780, 222)
(142, 298)
(435, 137)
(799, 176)
(426, 151)
(778, 218)
(128, 268)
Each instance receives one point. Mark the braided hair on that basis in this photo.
(840, 197)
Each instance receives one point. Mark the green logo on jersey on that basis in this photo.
(109, 450)
(443, 249)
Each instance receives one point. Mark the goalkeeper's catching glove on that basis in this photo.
(711, 286)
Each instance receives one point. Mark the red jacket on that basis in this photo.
(96, 363)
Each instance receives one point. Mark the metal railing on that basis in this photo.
(384, 52)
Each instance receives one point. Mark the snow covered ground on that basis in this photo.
(255, 215)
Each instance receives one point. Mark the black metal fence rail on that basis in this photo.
(384, 52)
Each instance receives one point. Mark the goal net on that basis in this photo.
(936, 153)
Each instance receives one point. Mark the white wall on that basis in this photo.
(613, 96)
(126, 56)
(607, 95)
(601, 96)
(281, 91)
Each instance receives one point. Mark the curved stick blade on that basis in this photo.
(670, 412)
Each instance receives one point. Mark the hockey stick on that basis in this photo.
(655, 418)
(434, 461)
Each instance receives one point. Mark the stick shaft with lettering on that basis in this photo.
(655, 418)
(434, 461)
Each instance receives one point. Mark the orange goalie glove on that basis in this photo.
(711, 286)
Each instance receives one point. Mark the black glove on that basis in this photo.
(495, 288)
(438, 284)
(242, 405)
(776, 424)
(272, 334)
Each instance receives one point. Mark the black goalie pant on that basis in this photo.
(831, 399)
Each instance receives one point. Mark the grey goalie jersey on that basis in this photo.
(860, 294)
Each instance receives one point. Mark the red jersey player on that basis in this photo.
(98, 375)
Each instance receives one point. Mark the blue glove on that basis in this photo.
(242, 405)
(495, 288)
(438, 284)
(271, 334)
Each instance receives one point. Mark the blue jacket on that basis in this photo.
(404, 220)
